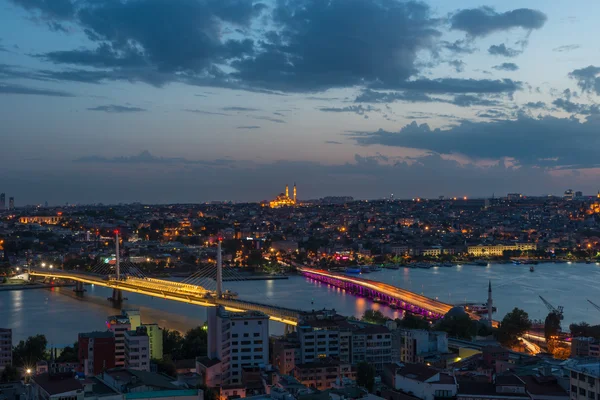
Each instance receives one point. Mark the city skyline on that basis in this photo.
(193, 101)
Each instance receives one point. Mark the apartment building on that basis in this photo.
(118, 325)
(96, 352)
(5, 347)
(137, 349)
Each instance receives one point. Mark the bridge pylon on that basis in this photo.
(79, 289)
(117, 298)
(219, 270)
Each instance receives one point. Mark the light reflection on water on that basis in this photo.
(60, 315)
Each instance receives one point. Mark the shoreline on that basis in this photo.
(6, 288)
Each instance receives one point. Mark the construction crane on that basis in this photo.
(556, 310)
(594, 304)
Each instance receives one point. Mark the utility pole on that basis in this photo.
(118, 259)
(219, 270)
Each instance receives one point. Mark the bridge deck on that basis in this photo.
(399, 297)
(177, 292)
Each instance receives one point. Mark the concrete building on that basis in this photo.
(372, 344)
(5, 347)
(36, 219)
(284, 355)
(323, 373)
(324, 334)
(96, 352)
(238, 340)
(11, 203)
(156, 340)
(62, 386)
(414, 345)
(118, 325)
(585, 347)
(137, 349)
(504, 387)
(584, 379)
(420, 380)
(135, 319)
(2, 201)
(499, 249)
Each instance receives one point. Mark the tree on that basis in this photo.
(166, 366)
(513, 325)
(458, 326)
(195, 343)
(552, 325)
(10, 374)
(374, 317)
(411, 321)
(561, 352)
(172, 344)
(30, 351)
(69, 354)
(365, 375)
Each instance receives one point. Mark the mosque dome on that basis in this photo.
(457, 311)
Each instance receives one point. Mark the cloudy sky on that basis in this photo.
(197, 100)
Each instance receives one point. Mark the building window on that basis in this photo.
(574, 389)
(256, 334)
(582, 391)
(260, 322)
(245, 322)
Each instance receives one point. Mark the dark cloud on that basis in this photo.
(340, 43)
(506, 67)
(239, 109)
(205, 112)
(276, 120)
(117, 109)
(493, 114)
(565, 48)
(587, 79)
(18, 89)
(467, 100)
(485, 20)
(455, 85)
(52, 9)
(502, 50)
(458, 47)
(458, 65)
(576, 108)
(541, 141)
(145, 157)
(248, 127)
(536, 105)
(359, 109)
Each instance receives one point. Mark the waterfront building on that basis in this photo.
(96, 352)
(155, 334)
(284, 199)
(36, 219)
(135, 319)
(137, 349)
(5, 348)
(499, 249)
(237, 340)
(118, 325)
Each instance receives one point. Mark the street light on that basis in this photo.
(50, 266)
(17, 268)
(43, 265)
(28, 371)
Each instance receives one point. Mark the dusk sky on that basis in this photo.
(164, 101)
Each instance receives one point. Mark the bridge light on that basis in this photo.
(43, 265)
(50, 266)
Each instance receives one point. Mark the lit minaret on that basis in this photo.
(294, 192)
(490, 304)
(287, 191)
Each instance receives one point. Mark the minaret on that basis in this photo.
(287, 191)
(490, 304)
(294, 192)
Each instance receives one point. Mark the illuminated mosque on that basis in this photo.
(284, 199)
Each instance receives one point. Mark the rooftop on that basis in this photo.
(57, 383)
(97, 334)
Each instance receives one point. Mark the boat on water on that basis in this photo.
(375, 268)
(481, 263)
(424, 265)
(516, 262)
(377, 300)
(366, 269)
(531, 268)
(446, 265)
(353, 270)
(588, 262)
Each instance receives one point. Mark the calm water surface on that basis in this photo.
(60, 315)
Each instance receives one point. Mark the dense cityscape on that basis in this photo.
(433, 350)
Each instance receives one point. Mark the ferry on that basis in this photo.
(516, 262)
(353, 270)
